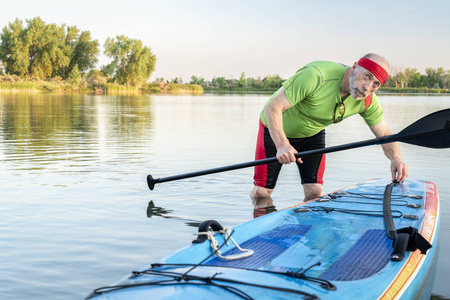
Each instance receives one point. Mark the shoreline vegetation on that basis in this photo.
(40, 57)
(13, 83)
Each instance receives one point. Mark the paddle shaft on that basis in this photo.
(432, 131)
(377, 141)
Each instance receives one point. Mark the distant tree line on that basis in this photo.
(434, 78)
(221, 83)
(36, 50)
(269, 82)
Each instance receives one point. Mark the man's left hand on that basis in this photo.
(399, 170)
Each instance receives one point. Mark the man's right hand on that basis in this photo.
(286, 154)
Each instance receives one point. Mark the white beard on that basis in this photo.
(353, 90)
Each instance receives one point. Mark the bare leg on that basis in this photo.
(260, 192)
(262, 202)
(312, 191)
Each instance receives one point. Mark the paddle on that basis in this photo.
(432, 131)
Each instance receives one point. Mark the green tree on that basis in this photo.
(108, 71)
(97, 78)
(46, 44)
(222, 83)
(46, 50)
(14, 49)
(255, 83)
(82, 50)
(213, 82)
(447, 80)
(414, 77)
(400, 79)
(197, 80)
(272, 81)
(132, 63)
(231, 83)
(242, 82)
(435, 77)
(75, 76)
(177, 80)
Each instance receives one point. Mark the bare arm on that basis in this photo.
(274, 116)
(399, 169)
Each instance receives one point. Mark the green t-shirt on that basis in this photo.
(314, 92)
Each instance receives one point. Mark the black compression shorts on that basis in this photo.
(312, 169)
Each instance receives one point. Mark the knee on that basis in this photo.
(260, 192)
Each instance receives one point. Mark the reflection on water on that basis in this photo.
(262, 206)
(156, 211)
(153, 210)
(76, 212)
(58, 127)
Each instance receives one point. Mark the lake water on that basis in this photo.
(75, 210)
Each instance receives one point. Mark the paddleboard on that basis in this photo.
(333, 247)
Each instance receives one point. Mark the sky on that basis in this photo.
(209, 38)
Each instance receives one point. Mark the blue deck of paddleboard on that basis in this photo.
(351, 248)
(364, 259)
(266, 247)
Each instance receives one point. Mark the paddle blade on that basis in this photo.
(432, 131)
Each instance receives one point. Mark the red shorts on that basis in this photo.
(311, 170)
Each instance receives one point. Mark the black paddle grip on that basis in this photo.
(151, 182)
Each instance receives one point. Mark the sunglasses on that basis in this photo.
(340, 108)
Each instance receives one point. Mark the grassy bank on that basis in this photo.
(172, 88)
(16, 84)
(393, 90)
(383, 90)
(240, 91)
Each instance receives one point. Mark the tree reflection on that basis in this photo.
(70, 126)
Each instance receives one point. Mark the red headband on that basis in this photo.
(374, 68)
